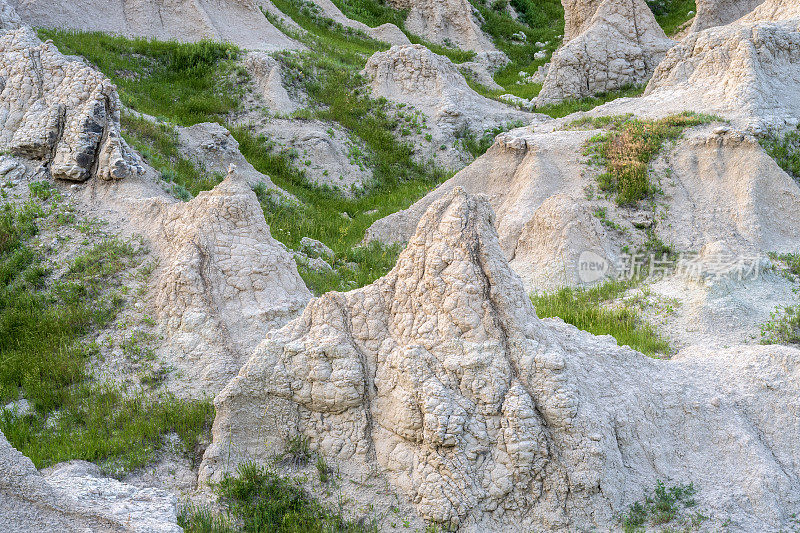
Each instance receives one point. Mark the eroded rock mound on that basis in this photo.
(620, 45)
(773, 11)
(388, 33)
(414, 75)
(9, 20)
(75, 498)
(577, 16)
(237, 21)
(222, 283)
(712, 13)
(747, 71)
(441, 377)
(445, 22)
(60, 111)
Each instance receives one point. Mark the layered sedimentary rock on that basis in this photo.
(237, 21)
(388, 33)
(445, 22)
(620, 45)
(577, 16)
(414, 75)
(221, 284)
(773, 11)
(75, 498)
(748, 71)
(712, 13)
(441, 377)
(60, 111)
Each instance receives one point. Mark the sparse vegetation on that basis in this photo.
(664, 505)
(629, 147)
(785, 150)
(45, 350)
(591, 310)
(672, 14)
(262, 501)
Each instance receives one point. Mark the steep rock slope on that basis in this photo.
(712, 13)
(414, 75)
(446, 22)
(620, 45)
(238, 21)
(773, 11)
(222, 282)
(59, 111)
(441, 377)
(72, 500)
(748, 71)
(721, 187)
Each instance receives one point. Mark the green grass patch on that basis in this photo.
(785, 150)
(664, 505)
(44, 351)
(672, 14)
(585, 309)
(189, 83)
(627, 150)
(262, 501)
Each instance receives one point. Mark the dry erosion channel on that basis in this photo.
(399, 265)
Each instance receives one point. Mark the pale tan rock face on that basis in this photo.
(74, 498)
(618, 46)
(577, 16)
(222, 283)
(748, 71)
(237, 21)
(442, 378)
(9, 20)
(445, 22)
(712, 13)
(413, 75)
(773, 11)
(60, 111)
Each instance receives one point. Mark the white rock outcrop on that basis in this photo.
(712, 13)
(445, 22)
(237, 21)
(722, 187)
(221, 284)
(60, 111)
(773, 11)
(620, 45)
(413, 75)
(441, 377)
(9, 19)
(746, 71)
(74, 497)
(577, 16)
(268, 80)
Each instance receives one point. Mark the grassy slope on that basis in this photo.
(45, 327)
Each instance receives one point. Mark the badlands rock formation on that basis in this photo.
(441, 377)
(445, 22)
(265, 72)
(59, 111)
(75, 498)
(388, 33)
(237, 21)
(577, 16)
(773, 11)
(748, 71)
(416, 76)
(222, 283)
(619, 45)
(9, 20)
(722, 186)
(712, 13)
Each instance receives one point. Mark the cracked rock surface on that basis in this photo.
(712, 13)
(222, 282)
(73, 497)
(441, 377)
(59, 111)
(619, 45)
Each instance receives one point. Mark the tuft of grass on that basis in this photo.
(785, 150)
(44, 352)
(189, 82)
(661, 506)
(262, 501)
(584, 309)
(627, 150)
